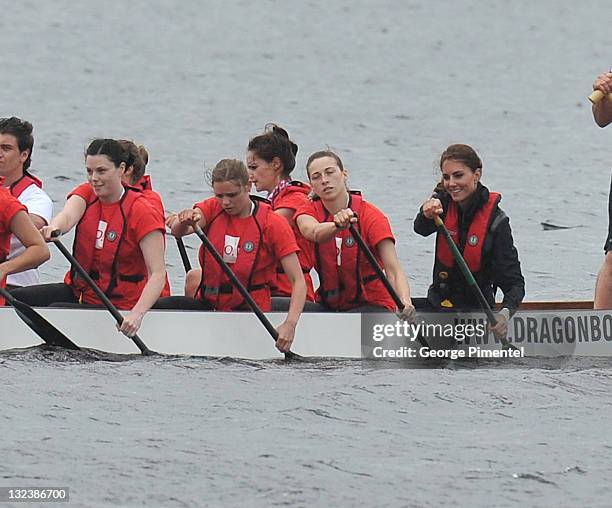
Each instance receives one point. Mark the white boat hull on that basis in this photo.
(219, 334)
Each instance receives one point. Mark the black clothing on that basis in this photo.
(608, 244)
(500, 263)
(45, 295)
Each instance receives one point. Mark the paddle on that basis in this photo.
(379, 271)
(596, 96)
(103, 298)
(45, 330)
(470, 279)
(241, 289)
(183, 253)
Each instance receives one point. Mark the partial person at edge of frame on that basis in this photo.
(602, 114)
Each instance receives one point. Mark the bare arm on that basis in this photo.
(69, 216)
(36, 251)
(286, 330)
(38, 221)
(320, 232)
(394, 271)
(152, 247)
(287, 213)
(182, 223)
(602, 111)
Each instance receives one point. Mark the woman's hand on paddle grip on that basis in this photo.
(190, 216)
(432, 207)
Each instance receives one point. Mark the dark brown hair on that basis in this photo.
(462, 153)
(22, 131)
(275, 142)
(135, 158)
(109, 147)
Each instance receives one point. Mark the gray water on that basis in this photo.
(388, 85)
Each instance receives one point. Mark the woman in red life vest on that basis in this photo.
(119, 240)
(482, 232)
(347, 280)
(14, 220)
(270, 161)
(252, 240)
(133, 176)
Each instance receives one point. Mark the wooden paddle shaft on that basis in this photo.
(597, 95)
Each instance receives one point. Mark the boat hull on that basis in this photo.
(546, 333)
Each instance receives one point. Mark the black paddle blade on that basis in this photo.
(45, 330)
(291, 356)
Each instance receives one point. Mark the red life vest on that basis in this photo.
(339, 288)
(155, 199)
(5, 247)
(144, 183)
(5, 243)
(215, 287)
(472, 252)
(122, 288)
(5, 240)
(283, 286)
(23, 183)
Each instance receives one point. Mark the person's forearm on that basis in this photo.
(324, 231)
(151, 292)
(422, 225)
(602, 112)
(62, 222)
(400, 284)
(32, 257)
(38, 221)
(296, 305)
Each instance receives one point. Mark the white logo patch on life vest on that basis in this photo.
(338, 251)
(230, 249)
(248, 246)
(111, 235)
(473, 240)
(350, 241)
(100, 234)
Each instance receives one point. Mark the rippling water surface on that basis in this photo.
(389, 85)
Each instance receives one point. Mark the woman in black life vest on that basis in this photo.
(482, 232)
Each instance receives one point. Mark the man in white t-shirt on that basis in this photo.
(16, 143)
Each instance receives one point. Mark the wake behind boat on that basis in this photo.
(551, 330)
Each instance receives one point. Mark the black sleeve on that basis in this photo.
(506, 266)
(424, 226)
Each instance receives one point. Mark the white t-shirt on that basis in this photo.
(39, 203)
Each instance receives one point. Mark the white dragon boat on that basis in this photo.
(547, 329)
